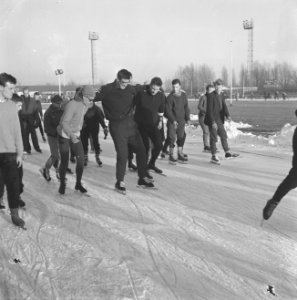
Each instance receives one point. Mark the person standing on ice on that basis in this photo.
(69, 135)
(52, 118)
(93, 117)
(118, 105)
(178, 114)
(288, 184)
(11, 146)
(216, 112)
(202, 105)
(37, 97)
(149, 111)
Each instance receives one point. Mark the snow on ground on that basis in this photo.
(197, 237)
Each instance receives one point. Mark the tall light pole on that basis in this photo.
(58, 73)
(93, 36)
(249, 25)
(231, 72)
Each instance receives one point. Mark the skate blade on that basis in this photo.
(215, 163)
(82, 194)
(182, 162)
(121, 192)
(146, 187)
(172, 163)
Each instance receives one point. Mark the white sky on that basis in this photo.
(150, 38)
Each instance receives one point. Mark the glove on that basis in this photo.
(105, 130)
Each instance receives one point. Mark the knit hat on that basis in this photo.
(57, 99)
(88, 91)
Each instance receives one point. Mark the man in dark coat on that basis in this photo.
(216, 112)
(93, 117)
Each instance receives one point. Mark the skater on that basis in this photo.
(178, 114)
(118, 105)
(149, 111)
(216, 112)
(202, 112)
(288, 184)
(93, 117)
(11, 146)
(29, 118)
(69, 135)
(52, 118)
(37, 97)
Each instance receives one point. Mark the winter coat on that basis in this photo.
(93, 117)
(216, 110)
(52, 118)
(149, 107)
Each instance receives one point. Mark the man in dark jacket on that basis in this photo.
(149, 111)
(216, 112)
(178, 114)
(288, 184)
(52, 118)
(29, 118)
(118, 105)
(93, 117)
(37, 97)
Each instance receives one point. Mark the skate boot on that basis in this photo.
(131, 166)
(43, 138)
(86, 159)
(269, 208)
(57, 173)
(72, 158)
(231, 155)
(181, 158)
(145, 183)
(215, 160)
(172, 160)
(45, 173)
(206, 149)
(62, 186)
(15, 218)
(79, 187)
(163, 154)
(98, 161)
(120, 187)
(154, 168)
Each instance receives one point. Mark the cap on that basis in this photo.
(88, 91)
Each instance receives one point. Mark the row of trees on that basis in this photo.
(280, 76)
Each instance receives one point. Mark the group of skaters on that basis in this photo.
(135, 114)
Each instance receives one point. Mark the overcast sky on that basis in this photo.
(150, 38)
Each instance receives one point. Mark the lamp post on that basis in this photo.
(58, 73)
(93, 36)
(231, 72)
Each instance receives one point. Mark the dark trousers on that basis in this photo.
(41, 128)
(221, 132)
(85, 134)
(77, 148)
(9, 177)
(288, 184)
(154, 134)
(125, 133)
(53, 160)
(28, 129)
(205, 131)
(176, 134)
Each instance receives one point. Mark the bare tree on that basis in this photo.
(224, 75)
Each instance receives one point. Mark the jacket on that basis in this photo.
(29, 110)
(176, 108)
(149, 107)
(216, 110)
(202, 105)
(52, 118)
(93, 117)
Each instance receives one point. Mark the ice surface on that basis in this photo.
(197, 237)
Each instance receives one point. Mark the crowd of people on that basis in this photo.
(135, 115)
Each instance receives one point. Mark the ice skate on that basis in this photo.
(15, 218)
(45, 173)
(229, 155)
(79, 187)
(215, 160)
(145, 183)
(269, 208)
(120, 187)
(98, 161)
(155, 169)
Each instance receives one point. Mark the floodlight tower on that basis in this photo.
(93, 36)
(249, 25)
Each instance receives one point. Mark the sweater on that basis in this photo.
(93, 117)
(149, 107)
(118, 104)
(176, 108)
(10, 130)
(72, 119)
